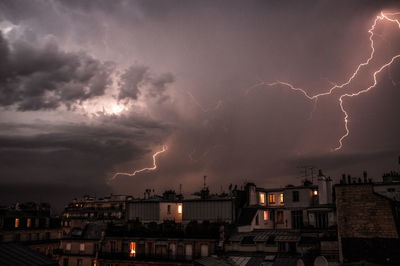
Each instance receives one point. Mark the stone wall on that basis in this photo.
(363, 214)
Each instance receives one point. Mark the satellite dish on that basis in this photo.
(320, 261)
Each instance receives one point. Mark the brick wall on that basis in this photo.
(363, 214)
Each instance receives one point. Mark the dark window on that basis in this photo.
(17, 237)
(391, 190)
(321, 220)
(65, 262)
(47, 235)
(282, 247)
(257, 223)
(169, 209)
(296, 196)
(297, 219)
(112, 246)
(79, 262)
(271, 240)
(247, 240)
(279, 217)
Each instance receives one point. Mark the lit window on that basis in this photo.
(271, 198)
(68, 246)
(262, 198)
(281, 198)
(265, 215)
(16, 225)
(132, 249)
(315, 192)
(28, 222)
(82, 247)
(180, 208)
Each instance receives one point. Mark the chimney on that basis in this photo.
(349, 179)
(320, 172)
(365, 174)
(359, 180)
(344, 179)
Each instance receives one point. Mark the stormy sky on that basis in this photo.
(91, 88)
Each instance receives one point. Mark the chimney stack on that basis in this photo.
(349, 179)
(365, 174)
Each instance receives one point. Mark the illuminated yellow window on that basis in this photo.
(281, 197)
(265, 215)
(28, 222)
(271, 198)
(16, 222)
(180, 208)
(262, 198)
(132, 249)
(16, 225)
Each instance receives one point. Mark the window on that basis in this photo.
(79, 262)
(28, 222)
(265, 215)
(262, 198)
(281, 198)
(68, 247)
(321, 220)
(271, 198)
(132, 249)
(112, 246)
(16, 224)
(82, 247)
(169, 209)
(296, 196)
(17, 237)
(180, 208)
(297, 219)
(257, 223)
(65, 262)
(391, 189)
(47, 236)
(279, 217)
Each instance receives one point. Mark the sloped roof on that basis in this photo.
(14, 254)
(246, 216)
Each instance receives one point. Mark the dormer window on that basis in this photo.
(271, 198)
(262, 198)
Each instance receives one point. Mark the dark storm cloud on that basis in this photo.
(215, 50)
(137, 76)
(83, 156)
(44, 78)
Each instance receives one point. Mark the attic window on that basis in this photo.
(180, 208)
(262, 198)
(132, 249)
(271, 198)
(281, 198)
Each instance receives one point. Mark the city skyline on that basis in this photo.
(117, 97)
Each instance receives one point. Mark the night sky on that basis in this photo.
(91, 88)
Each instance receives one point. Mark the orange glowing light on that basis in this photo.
(132, 249)
(265, 215)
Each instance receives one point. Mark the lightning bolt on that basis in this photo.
(383, 16)
(155, 155)
(205, 110)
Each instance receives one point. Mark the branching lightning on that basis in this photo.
(155, 155)
(382, 17)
